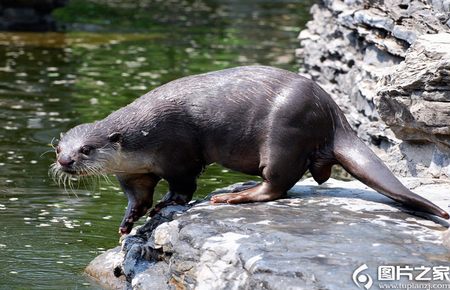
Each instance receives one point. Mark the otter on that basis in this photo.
(257, 120)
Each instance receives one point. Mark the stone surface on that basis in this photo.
(386, 64)
(415, 95)
(314, 239)
(101, 269)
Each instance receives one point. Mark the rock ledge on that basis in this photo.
(314, 239)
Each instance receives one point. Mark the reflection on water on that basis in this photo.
(53, 81)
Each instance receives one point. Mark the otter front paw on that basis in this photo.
(130, 217)
(125, 229)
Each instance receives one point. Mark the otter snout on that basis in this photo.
(65, 161)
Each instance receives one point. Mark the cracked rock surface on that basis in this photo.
(314, 239)
(387, 65)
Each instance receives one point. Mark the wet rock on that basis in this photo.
(154, 277)
(446, 239)
(314, 239)
(101, 269)
(355, 49)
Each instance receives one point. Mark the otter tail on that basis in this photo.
(365, 166)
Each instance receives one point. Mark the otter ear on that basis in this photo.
(115, 137)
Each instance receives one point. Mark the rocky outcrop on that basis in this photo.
(415, 97)
(102, 268)
(387, 64)
(314, 239)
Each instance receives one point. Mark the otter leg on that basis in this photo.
(246, 185)
(181, 190)
(261, 192)
(281, 173)
(139, 190)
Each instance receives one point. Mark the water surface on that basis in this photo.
(108, 56)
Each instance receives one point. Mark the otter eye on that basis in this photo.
(86, 150)
(58, 149)
(115, 137)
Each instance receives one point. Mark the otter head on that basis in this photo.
(87, 149)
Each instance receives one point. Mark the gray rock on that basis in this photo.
(373, 19)
(314, 239)
(154, 277)
(426, 69)
(355, 49)
(441, 5)
(378, 57)
(101, 269)
(446, 239)
(405, 34)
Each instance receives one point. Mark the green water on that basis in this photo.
(109, 55)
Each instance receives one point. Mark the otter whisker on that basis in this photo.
(48, 151)
(106, 178)
(66, 177)
(60, 178)
(55, 171)
(72, 187)
(83, 180)
(63, 181)
(92, 173)
(51, 143)
(94, 183)
(51, 172)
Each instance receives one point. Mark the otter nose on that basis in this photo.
(65, 161)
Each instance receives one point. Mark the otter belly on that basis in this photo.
(232, 149)
(242, 159)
